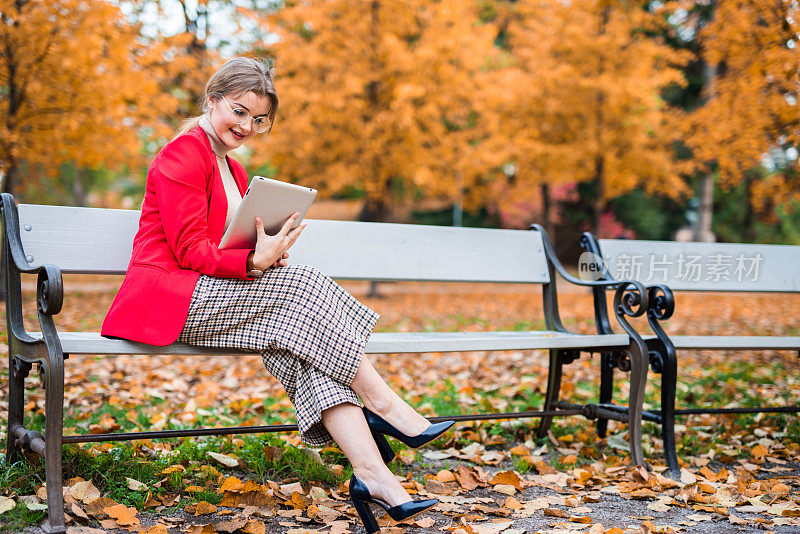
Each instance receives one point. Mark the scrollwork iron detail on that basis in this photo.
(662, 302)
(631, 301)
(49, 290)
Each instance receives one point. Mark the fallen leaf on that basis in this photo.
(759, 451)
(135, 485)
(520, 450)
(232, 525)
(224, 459)
(84, 491)
(491, 528)
(204, 508)
(173, 468)
(122, 515)
(425, 522)
(556, 512)
(6, 504)
(78, 512)
(445, 476)
(97, 507)
(506, 489)
(507, 478)
(230, 484)
(254, 526)
(82, 529)
(467, 477)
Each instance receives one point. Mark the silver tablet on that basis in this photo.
(272, 200)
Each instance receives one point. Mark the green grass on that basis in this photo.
(735, 381)
(20, 517)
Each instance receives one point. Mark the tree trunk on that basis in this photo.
(702, 231)
(599, 203)
(705, 209)
(78, 193)
(749, 211)
(547, 212)
(10, 178)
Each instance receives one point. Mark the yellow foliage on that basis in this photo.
(582, 100)
(75, 90)
(753, 88)
(377, 94)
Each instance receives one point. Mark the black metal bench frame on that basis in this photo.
(631, 300)
(663, 360)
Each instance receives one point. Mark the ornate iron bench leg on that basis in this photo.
(54, 426)
(606, 389)
(664, 362)
(638, 379)
(553, 390)
(18, 370)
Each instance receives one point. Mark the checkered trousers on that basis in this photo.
(310, 332)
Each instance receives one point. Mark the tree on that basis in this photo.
(379, 96)
(750, 48)
(71, 87)
(582, 101)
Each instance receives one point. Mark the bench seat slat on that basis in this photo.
(735, 342)
(379, 342)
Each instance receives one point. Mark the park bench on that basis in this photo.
(51, 240)
(666, 266)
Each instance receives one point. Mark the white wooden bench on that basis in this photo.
(667, 266)
(51, 240)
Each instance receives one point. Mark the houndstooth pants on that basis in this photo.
(310, 332)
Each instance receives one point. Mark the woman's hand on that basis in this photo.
(271, 250)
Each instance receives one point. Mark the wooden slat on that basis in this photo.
(705, 266)
(379, 343)
(735, 342)
(92, 240)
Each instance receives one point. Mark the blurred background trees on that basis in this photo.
(629, 118)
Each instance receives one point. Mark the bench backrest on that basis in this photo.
(705, 266)
(94, 240)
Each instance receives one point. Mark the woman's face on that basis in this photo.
(224, 120)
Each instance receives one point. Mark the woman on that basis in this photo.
(310, 332)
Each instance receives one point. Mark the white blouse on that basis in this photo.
(221, 150)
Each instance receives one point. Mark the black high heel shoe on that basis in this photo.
(379, 427)
(359, 494)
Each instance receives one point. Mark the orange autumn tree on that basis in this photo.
(581, 100)
(377, 95)
(182, 61)
(751, 106)
(72, 90)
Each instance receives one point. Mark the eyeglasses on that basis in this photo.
(240, 115)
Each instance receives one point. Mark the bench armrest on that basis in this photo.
(661, 306)
(50, 285)
(661, 302)
(631, 298)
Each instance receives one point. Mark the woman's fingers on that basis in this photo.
(294, 234)
(288, 224)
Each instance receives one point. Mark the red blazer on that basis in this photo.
(181, 223)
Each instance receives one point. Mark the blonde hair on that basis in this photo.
(238, 76)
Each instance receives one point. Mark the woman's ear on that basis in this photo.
(211, 101)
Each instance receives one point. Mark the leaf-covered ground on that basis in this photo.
(740, 473)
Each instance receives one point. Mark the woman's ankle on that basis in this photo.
(383, 485)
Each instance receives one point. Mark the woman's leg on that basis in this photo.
(346, 424)
(379, 398)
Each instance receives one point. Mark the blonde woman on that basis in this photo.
(310, 332)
